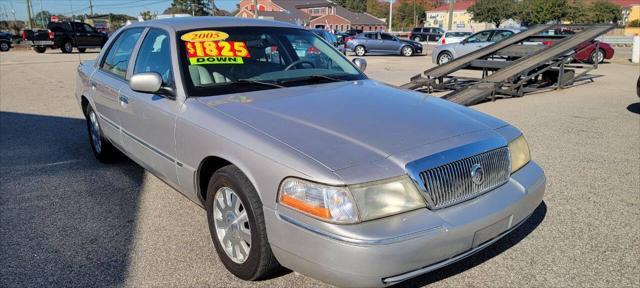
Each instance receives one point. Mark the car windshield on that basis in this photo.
(219, 61)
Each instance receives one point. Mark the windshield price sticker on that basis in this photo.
(210, 47)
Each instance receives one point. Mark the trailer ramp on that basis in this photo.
(509, 77)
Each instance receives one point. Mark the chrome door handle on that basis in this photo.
(124, 99)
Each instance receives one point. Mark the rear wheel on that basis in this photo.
(4, 46)
(417, 39)
(67, 47)
(407, 51)
(359, 50)
(237, 226)
(444, 57)
(102, 148)
(39, 49)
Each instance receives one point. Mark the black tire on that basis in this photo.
(417, 39)
(406, 51)
(66, 47)
(444, 55)
(594, 56)
(360, 50)
(82, 50)
(4, 46)
(40, 49)
(104, 152)
(260, 262)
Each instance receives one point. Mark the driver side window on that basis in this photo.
(479, 37)
(155, 56)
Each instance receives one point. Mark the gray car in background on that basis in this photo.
(298, 158)
(382, 43)
(444, 53)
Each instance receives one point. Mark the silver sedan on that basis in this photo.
(444, 53)
(299, 159)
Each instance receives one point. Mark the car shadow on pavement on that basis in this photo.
(634, 108)
(491, 251)
(65, 219)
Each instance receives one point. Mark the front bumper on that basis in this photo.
(393, 249)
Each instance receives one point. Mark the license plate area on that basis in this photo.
(492, 231)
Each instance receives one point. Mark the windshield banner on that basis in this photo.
(209, 47)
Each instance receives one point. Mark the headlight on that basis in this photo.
(352, 203)
(387, 197)
(520, 155)
(329, 203)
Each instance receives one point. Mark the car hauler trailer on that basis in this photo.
(514, 66)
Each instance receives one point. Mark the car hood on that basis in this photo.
(410, 42)
(343, 124)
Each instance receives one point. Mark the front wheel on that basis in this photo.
(67, 47)
(407, 51)
(359, 50)
(4, 47)
(39, 49)
(237, 226)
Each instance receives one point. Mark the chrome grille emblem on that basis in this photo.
(477, 174)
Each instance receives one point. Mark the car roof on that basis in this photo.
(190, 23)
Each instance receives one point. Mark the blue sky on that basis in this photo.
(68, 7)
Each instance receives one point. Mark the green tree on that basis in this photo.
(492, 11)
(146, 15)
(194, 7)
(42, 18)
(577, 12)
(603, 11)
(540, 11)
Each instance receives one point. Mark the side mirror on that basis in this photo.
(360, 63)
(149, 82)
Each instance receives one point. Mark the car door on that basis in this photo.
(374, 43)
(473, 43)
(109, 79)
(389, 43)
(148, 119)
(94, 37)
(435, 34)
(82, 38)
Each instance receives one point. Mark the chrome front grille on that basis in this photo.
(453, 183)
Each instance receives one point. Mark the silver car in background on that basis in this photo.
(444, 53)
(453, 37)
(299, 159)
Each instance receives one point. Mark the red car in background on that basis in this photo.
(586, 52)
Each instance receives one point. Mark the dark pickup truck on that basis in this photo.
(65, 35)
(5, 41)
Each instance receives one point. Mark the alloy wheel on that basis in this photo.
(96, 140)
(444, 58)
(232, 224)
(360, 51)
(407, 51)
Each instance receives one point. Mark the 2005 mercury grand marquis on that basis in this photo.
(299, 159)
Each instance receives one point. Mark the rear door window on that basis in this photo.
(117, 59)
(501, 35)
(482, 36)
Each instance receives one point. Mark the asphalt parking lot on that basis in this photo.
(67, 220)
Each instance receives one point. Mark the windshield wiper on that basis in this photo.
(249, 81)
(311, 78)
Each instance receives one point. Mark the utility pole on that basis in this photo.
(450, 24)
(29, 14)
(390, 14)
(255, 8)
(193, 8)
(415, 23)
(90, 7)
(44, 21)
